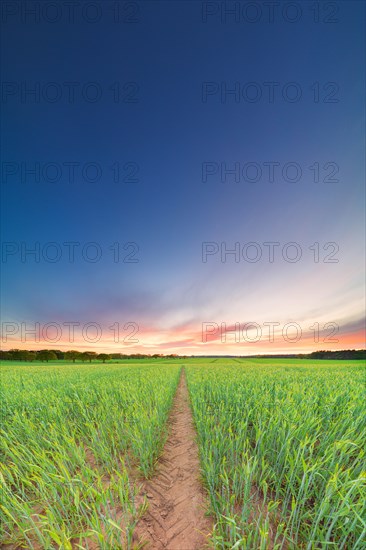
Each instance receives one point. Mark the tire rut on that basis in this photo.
(175, 519)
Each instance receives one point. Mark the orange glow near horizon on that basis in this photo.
(188, 340)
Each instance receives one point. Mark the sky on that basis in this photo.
(183, 177)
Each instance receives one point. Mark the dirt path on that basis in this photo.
(175, 518)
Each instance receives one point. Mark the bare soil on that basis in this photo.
(175, 518)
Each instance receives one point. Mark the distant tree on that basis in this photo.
(46, 355)
(17, 354)
(72, 355)
(116, 355)
(6, 355)
(88, 356)
(20, 355)
(27, 355)
(103, 357)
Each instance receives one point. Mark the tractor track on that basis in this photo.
(175, 518)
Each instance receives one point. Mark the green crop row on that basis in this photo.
(282, 449)
(74, 443)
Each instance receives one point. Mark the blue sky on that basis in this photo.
(161, 133)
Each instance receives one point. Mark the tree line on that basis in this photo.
(46, 355)
(345, 354)
(341, 354)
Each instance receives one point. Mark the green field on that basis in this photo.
(283, 451)
(281, 442)
(72, 436)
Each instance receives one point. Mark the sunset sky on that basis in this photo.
(204, 133)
